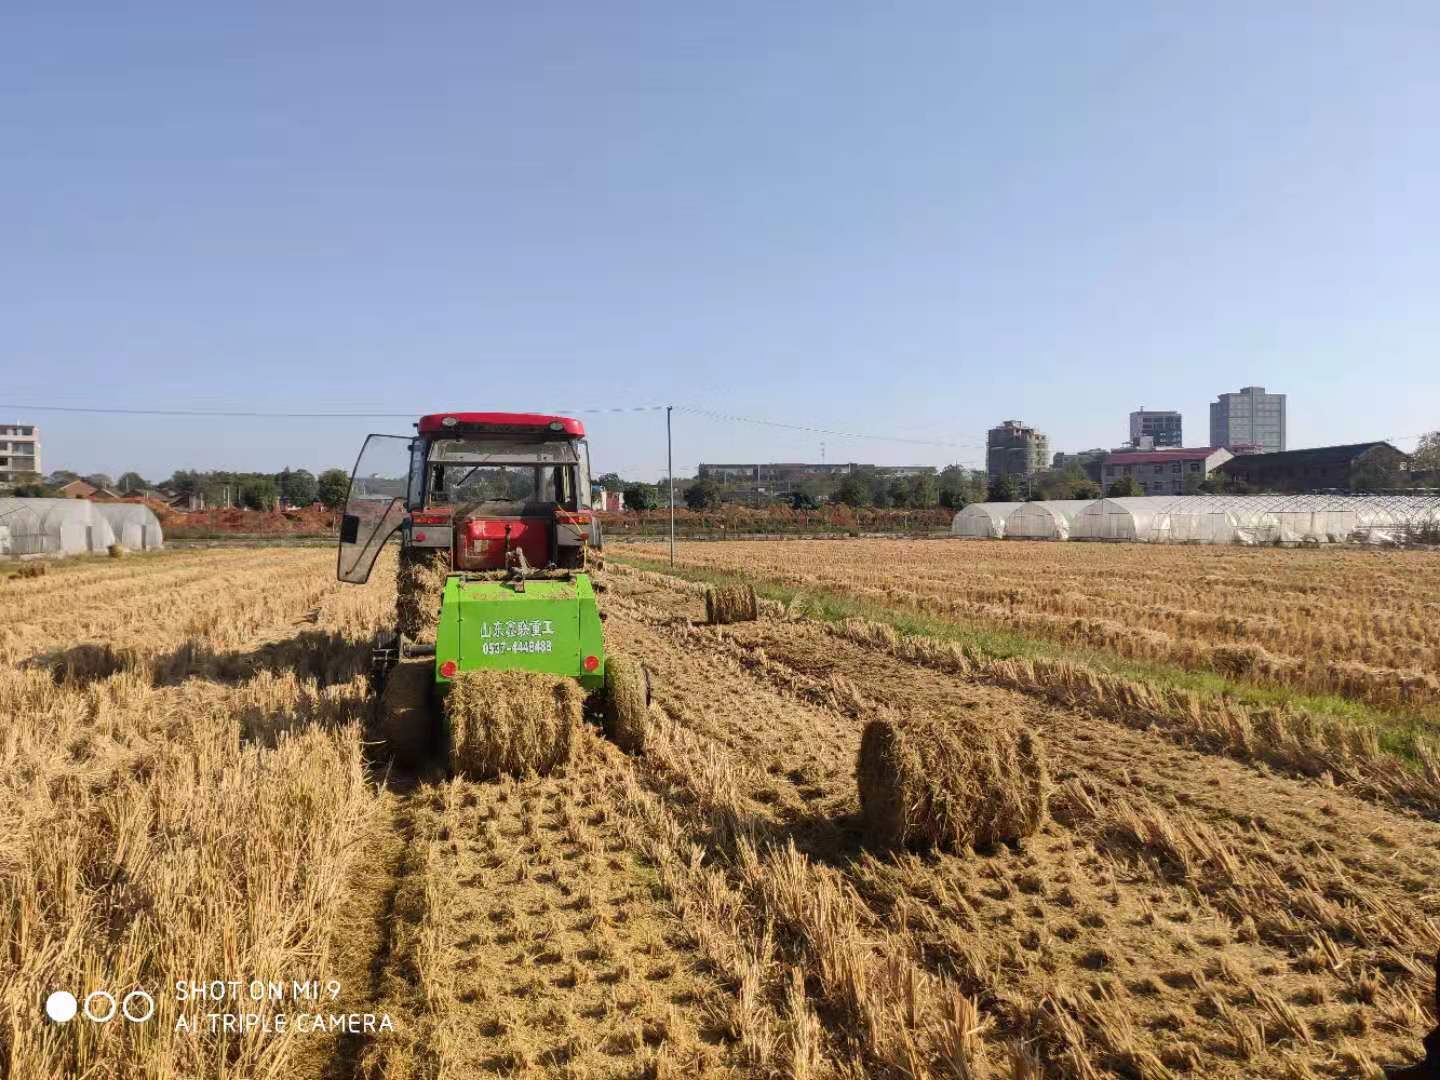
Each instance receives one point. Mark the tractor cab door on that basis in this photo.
(376, 504)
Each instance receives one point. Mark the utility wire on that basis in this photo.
(281, 415)
(688, 409)
(694, 411)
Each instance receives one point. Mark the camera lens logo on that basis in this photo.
(100, 1006)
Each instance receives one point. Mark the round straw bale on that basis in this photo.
(510, 722)
(32, 570)
(951, 780)
(419, 581)
(117, 551)
(626, 703)
(730, 604)
(405, 718)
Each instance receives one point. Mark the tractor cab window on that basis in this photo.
(508, 479)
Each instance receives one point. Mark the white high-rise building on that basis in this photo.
(1250, 421)
(19, 452)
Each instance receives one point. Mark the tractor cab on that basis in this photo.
(493, 491)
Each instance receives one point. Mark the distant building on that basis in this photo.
(612, 502)
(19, 453)
(1249, 418)
(1013, 449)
(1161, 427)
(1089, 461)
(1344, 468)
(760, 481)
(1163, 472)
(78, 489)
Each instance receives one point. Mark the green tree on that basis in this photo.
(640, 497)
(853, 490)
(100, 480)
(1124, 488)
(132, 482)
(955, 487)
(1085, 489)
(703, 495)
(1426, 458)
(897, 492)
(1374, 472)
(332, 487)
(298, 487)
(1004, 488)
(803, 499)
(924, 490)
(259, 493)
(61, 477)
(611, 481)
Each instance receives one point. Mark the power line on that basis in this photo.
(257, 414)
(693, 411)
(264, 415)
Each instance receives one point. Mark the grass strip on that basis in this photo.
(1397, 730)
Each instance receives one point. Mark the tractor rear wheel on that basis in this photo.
(405, 723)
(625, 703)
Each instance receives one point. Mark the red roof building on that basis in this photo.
(1163, 472)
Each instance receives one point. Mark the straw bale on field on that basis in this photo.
(511, 722)
(730, 604)
(418, 584)
(951, 779)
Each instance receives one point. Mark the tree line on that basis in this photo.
(218, 487)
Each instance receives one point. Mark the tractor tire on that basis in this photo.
(405, 721)
(625, 704)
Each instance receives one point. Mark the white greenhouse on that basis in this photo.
(1047, 520)
(52, 527)
(135, 525)
(1258, 519)
(982, 520)
(1121, 519)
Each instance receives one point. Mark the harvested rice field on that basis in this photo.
(1164, 884)
(1360, 624)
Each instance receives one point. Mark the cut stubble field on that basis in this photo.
(191, 791)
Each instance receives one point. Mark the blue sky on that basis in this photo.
(915, 218)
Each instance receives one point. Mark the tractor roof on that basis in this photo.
(467, 423)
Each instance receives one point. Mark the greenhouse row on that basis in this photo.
(1210, 519)
(75, 527)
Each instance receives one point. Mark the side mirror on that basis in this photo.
(349, 529)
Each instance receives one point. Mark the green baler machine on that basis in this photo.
(496, 543)
(549, 626)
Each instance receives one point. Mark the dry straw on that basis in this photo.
(419, 581)
(951, 780)
(730, 604)
(405, 722)
(511, 722)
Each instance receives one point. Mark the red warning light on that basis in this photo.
(591, 663)
(448, 669)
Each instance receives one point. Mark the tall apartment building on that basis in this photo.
(1013, 449)
(1251, 419)
(19, 452)
(1160, 426)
